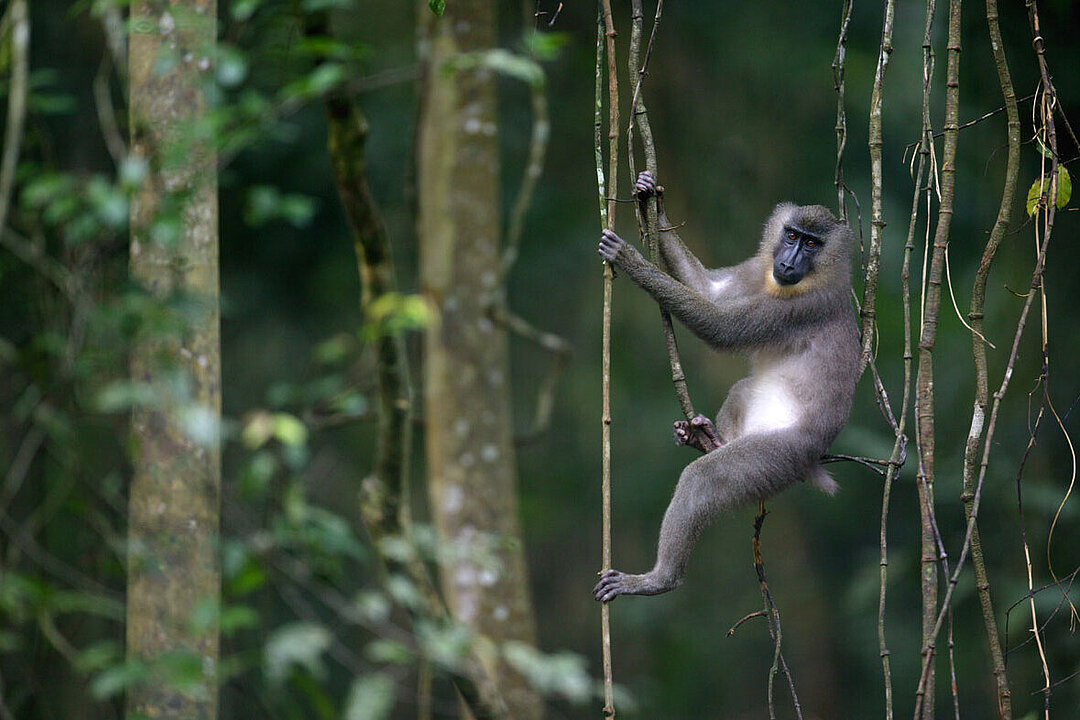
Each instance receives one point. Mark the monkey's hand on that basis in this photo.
(618, 252)
(698, 433)
(646, 186)
(614, 583)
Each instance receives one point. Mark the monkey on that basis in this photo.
(788, 309)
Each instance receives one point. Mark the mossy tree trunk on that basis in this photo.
(174, 498)
(468, 426)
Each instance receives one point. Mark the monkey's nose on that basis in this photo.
(786, 275)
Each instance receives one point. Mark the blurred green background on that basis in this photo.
(743, 109)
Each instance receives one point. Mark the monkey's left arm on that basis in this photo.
(683, 265)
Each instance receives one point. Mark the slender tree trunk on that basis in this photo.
(174, 497)
(468, 426)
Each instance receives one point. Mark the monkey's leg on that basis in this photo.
(747, 468)
(698, 433)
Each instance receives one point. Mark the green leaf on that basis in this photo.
(132, 172)
(238, 617)
(372, 605)
(266, 203)
(99, 656)
(109, 202)
(250, 578)
(123, 395)
(298, 644)
(1064, 187)
(43, 188)
(201, 424)
(437, 6)
(205, 615)
(118, 678)
(242, 10)
(547, 45)
(335, 349)
(393, 313)
(1041, 147)
(258, 429)
(561, 674)
(325, 77)
(62, 601)
(1039, 192)
(371, 697)
(397, 548)
(261, 204)
(404, 591)
(501, 61)
(289, 430)
(166, 230)
(181, 669)
(232, 67)
(445, 645)
(297, 210)
(388, 652)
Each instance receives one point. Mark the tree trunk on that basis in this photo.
(174, 498)
(468, 426)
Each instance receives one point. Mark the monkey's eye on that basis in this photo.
(811, 243)
(791, 236)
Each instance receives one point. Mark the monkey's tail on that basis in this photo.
(822, 480)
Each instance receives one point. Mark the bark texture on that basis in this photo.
(174, 496)
(468, 426)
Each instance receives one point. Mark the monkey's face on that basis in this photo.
(803, 248)
(795, 253)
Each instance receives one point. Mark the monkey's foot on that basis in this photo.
(699, 433)
(614, 583)
(646, 186)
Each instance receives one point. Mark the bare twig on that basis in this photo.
(877, 215)
(605, 28)
(924, 394)
(385, 78)
(534, 168)
(33, 254)
(24, 541)
(545, 393)
(773, 614)
(1048, 135)
(838, 69)
(106, 113)
(975, 316)
(20, 465)
(744, 618)
(878, 466)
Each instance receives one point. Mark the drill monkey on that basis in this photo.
(788, 309)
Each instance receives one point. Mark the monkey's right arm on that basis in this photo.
(731, 323)
(679, 260)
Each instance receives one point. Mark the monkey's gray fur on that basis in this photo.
(788, 308)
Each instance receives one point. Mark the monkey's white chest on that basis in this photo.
(771, 405)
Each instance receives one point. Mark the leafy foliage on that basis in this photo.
(1038, 194)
